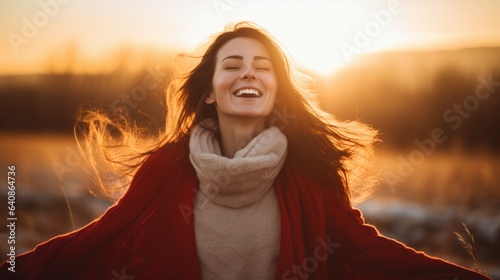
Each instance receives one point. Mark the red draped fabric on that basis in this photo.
(149, 234)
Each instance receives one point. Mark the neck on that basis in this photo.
(237, 133)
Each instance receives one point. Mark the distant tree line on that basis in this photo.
(405, 96)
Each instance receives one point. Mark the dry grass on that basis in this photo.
(470, 247)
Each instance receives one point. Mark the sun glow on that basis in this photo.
(325, 39)
(321, 60)
(321, 36)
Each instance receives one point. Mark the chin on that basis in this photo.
(248, 114)
(260, 112)
(245, 116)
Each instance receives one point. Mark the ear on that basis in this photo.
(210, 99)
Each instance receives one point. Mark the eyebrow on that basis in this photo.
(258, 57)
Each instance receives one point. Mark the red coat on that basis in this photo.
(149, 234)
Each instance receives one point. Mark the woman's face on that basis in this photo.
(244, 82)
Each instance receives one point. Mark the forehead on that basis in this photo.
(245, 47)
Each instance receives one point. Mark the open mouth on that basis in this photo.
(247, 92)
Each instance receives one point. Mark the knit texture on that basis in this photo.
(240, 181)
(236, 213)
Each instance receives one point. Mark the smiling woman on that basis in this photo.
(244, 92)
(223, 193)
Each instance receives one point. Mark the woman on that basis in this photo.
(248, 181)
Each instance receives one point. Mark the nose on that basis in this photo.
(248, 74)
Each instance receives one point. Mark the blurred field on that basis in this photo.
(45, 205)
(404, 95)
(447, 190)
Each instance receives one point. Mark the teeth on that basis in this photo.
(247, 91)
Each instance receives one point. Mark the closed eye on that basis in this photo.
(263, 66)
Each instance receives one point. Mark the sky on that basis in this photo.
(320, 35)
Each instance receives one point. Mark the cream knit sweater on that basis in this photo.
(237, 219)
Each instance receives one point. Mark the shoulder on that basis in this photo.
(168, 160)
(292, 170)
(171, 151)
(330, 192)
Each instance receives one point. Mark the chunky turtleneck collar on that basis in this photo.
(240, 181)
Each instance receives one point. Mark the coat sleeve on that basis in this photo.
(115, 238)
(37, 259)
(364, 254)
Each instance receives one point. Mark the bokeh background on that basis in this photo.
(424, 73)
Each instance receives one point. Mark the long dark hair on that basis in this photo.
(321, 146)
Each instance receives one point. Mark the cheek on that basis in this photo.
(222, 83)
(271, 84)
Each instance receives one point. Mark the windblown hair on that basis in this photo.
(331, 151)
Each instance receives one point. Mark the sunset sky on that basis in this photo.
(320, 35)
